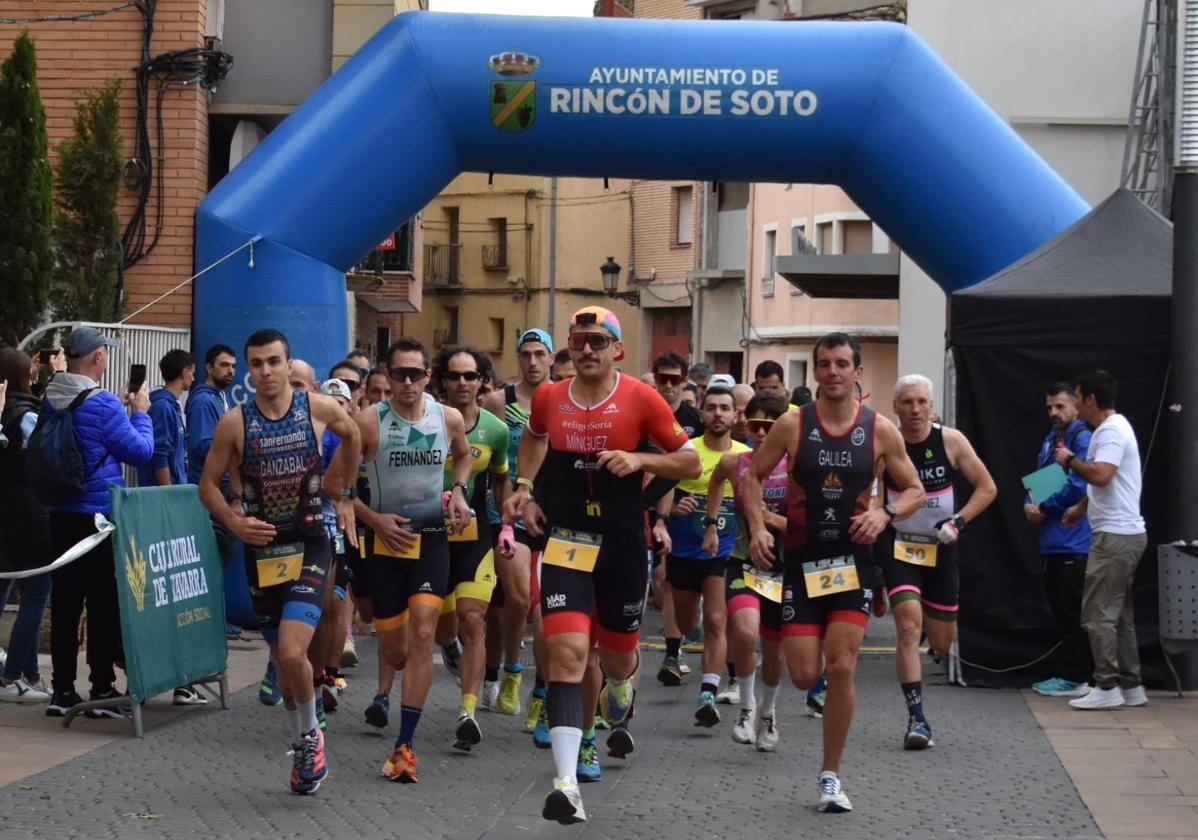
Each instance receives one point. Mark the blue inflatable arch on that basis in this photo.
(867, 106)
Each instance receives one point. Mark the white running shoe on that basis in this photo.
(490, 694)
(564, 803)
(1099, 698)
(832, 799)
(746, 723)
(20, 691)
(1134, 696)
(767, 733)
(729, 695)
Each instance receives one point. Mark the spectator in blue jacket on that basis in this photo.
(107, 437)
(206, 404)
(1063, 550)
(169, 463)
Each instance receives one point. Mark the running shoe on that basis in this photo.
(919, 735)
(377, 711)
(340, 684)
(468, 733)
(600, 720)
(564, 803)
(766, 737)
(729, 695)
(670, 673)
(187, 695)
(588, 761)
(401, 766)
(1099, 698)
(1134, 696)
(683, 668)
(706, 714)
(349, 654)
(744, 731)
(540, 729)
(535, 705)
(118, 711)
(328, 694)
(832, 799)
(61, 703)
(20, 691)
(1060, 687)
(321, 718)
(309, 768)
(232, 632)
(509, 694)
(489, 696)
(451, 655)
(615, 703)
(619, 742)
(268, 689)
(815, 703)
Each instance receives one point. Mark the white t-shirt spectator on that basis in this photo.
(1115, 509)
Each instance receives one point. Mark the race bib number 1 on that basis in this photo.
(830, 575)
(382, 550)
(279, 564)
(577, 550)
(915, 549)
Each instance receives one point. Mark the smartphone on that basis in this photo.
(137, 378)
(43, 356)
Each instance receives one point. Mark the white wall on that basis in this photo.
(1060, 72)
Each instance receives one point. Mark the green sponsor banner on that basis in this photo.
(169, 582)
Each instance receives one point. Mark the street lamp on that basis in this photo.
(610, 272)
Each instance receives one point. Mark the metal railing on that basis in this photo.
(140, 344)
(442, 264)
(494, 256)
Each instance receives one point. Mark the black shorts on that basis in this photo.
(738, 596)
(606, 602)
(936, 587)
(299, 600)
(803, 615)
(396, 583)
(688, 575)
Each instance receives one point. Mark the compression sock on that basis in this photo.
(492, 673)
(469, 704)
(673, 647)
(711, 682)
(307, 713)
(409, 717)
(748, 697)
(913, 694)
(564, 702)
(769, 694)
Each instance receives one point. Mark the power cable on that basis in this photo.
(67, 18)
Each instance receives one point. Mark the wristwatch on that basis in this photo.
(891, 509)
(708, 521)
(461, 484)
(349, 492)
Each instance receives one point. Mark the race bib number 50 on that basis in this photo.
(915, 549)
(830, 575)
(577, 550)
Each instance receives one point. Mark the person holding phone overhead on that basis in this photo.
(106, 438)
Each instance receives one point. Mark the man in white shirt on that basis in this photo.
(1112, 470)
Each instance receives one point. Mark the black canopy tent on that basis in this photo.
(1096, 296)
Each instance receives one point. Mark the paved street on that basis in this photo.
(208, 773)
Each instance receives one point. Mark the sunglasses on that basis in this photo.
(759, 425)
(407, 374)
(669, 378)
(352, 384)
(598, 341)
(468, 375)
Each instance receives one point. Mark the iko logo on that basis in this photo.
(858, 436)
(555, 602)
(816, 436)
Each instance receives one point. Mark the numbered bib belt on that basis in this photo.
(279, 563)
(725, 518)
(766, 585)
(830, 575)
(382, 550)
(577, 550)
(916, 549)
(467, 534)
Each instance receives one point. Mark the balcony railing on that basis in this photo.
(494, 257)
(442, 264)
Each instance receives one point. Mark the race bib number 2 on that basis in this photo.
(915, 549)
(278, 564)
(830, 575)
(577, 550)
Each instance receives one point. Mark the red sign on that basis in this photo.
(387, 244)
